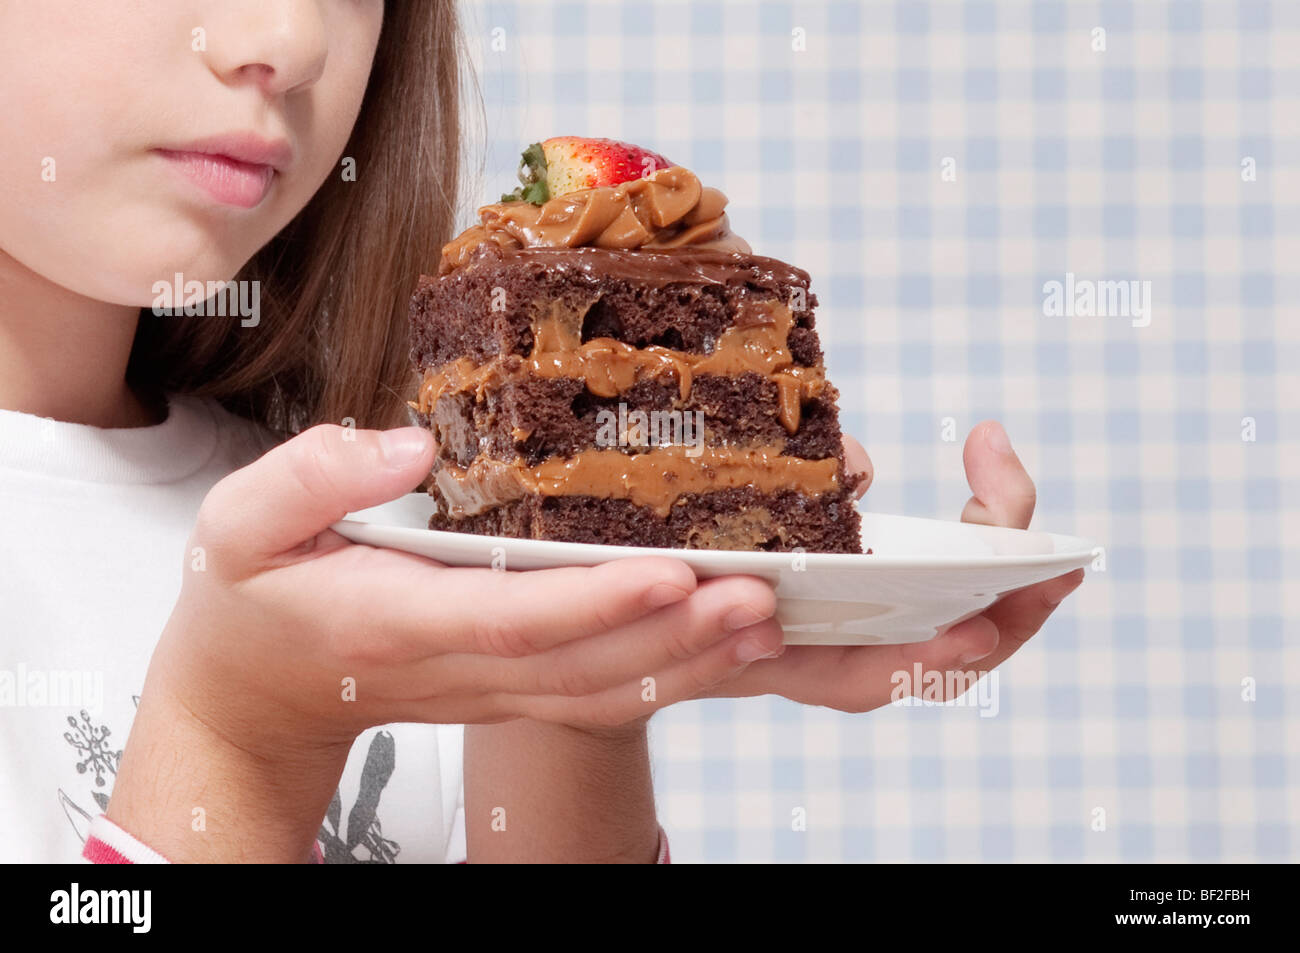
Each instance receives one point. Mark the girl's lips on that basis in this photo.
(228, 180)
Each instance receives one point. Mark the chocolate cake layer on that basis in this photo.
(740, 518)
(678, 300)
(535, 418)
(754, 345)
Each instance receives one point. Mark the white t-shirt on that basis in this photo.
(93, 526)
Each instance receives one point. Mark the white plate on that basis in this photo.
(922, 577)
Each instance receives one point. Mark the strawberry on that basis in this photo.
(568, 163)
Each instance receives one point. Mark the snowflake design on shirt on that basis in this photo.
(92, 747)
(95, 756)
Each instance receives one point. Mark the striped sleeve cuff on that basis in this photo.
(106, 843)
(664, 857)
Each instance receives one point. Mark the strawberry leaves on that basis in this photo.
(532, 178)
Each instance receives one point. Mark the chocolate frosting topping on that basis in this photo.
(668, 266)
(667, 209)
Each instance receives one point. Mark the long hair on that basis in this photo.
(332, 340)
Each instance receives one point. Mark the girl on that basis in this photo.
(168, 481)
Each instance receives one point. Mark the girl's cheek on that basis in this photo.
(89, 91)
(81, 203)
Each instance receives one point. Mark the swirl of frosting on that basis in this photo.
(667, 209)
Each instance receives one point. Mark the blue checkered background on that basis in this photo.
(1128, 730)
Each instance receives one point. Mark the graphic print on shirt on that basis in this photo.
(364, 844)
(94, 757)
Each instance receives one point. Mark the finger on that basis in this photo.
(856, 461)
(810, 674)
(495, 613)
(966, 642)
(442, 709)
(301, 487)
(1019, 615)
(629, 653)
(1004, 493)
(637, 699)
(861, 678)
(873, 676)
(991, 637)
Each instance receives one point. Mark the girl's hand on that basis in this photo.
(860, 678)
(290, 631)
(288, 641)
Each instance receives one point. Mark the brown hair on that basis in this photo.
(332, 341)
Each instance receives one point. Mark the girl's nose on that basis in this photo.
(280, 45)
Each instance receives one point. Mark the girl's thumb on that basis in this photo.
(308, 483)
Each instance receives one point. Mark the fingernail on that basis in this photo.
(972, 655)
(664, 594)
(404, 446)
(742, 617)
(751, 650)
(997, 438)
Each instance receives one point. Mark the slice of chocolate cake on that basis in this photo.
(612, 365)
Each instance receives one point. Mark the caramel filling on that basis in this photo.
(756, 342)
(657, 478)
(668, 209)
(747, 529)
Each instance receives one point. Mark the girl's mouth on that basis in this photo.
(224, 178)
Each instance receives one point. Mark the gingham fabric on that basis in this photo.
(933, 165)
